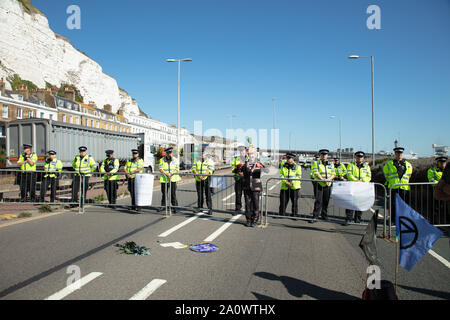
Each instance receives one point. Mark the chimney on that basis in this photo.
(23, 91)
(69, 93)
(107, 107)
(92, 104)
(2, 87)
(46, 96)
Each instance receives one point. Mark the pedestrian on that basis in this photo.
(397, 171)
(439, 208)
(133, 166)
(169, 168)
(84, 165)
(250, 171)
(324, 173)
(434, 174)
(290, 189)
(109, 167)
(340, 169)
(237, 162)
(357, 171)
(27, 162)
(204, 167)
(52, 168)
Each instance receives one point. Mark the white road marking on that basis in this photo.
(216, 233)
(228, 197)
(176, 245)
(148, 289)
(272, 187)
(434, 254)
(178, 226)
(74, 286)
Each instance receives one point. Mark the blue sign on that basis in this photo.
(204, 247)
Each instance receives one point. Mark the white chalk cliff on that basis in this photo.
(31, 49)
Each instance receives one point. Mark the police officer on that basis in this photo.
(434, 174)
(84, 165)
(340, 169)
(169, 168)
(290, 188)
(202, 183)
(250, 171)
(236, 163)
(133, 166)
(52, 168)
(311, 173)
(110, 167)
(323, 170)
(397, 171)
(358, 171)
(27, 162)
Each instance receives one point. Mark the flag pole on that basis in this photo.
(396, 264)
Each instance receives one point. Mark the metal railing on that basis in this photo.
(420, 197)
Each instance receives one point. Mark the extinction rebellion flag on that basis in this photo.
(415, 233)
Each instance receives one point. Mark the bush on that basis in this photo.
(45, 208)
(99, 198)
(16, 81)
(25, 214)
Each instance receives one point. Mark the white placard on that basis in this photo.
(218, 182)
(351, 195)
(143, 187)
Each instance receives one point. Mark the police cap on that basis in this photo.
(168, 150)
(51, 152)
(108, 152)
(324, 151)
(82, 149)
(26, 146)
(399, 149)
(134, 151)
(290, 155)
(442, 158)
(337, 159)
(360, 154)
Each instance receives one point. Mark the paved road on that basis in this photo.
(290, 259)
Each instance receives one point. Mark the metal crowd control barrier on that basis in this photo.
(420, 197)
(306, 203)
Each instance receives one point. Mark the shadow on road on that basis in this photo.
(262, 297)
(434, 293)
(299, 288)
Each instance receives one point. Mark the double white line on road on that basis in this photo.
(148, 289)
(180, 225)
(74, 286)
(216, 233)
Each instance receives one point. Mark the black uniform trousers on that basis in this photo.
(404, 194)
(251, 205)
(285, 195)
(238, 189)
(314, 184)
(78, 184)
(46, 182)
(353, 213)
(111, 187)
(132, 191)
(322, 199)
(27, 185)
(203, 187)
(173, 195)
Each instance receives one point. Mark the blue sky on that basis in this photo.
(246, 52)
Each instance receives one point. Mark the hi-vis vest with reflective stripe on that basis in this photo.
(313, 164)
(434, 175)
(52, 168)
(205, 167)
(326, 171)
(391, 175)
(237, 160)
(134, 164)
(172, 168)
(26, 166)
(341, 171)
(84, 166)
(288, 173)
(113, 166)
(354, 173)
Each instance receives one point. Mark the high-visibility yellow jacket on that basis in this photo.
(111, 167)
(203, 167)
(355, 173)
(26, 166)
(171, 167)
(326, 171)
(341, 171)
(84, 166)
(237, 160)
(286, 173)
(52, 168)
(135, 165)
(313, 164)
(391, 175)
(434, 175)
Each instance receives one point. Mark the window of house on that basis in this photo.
(98, 125)
(5, 112)
(51, 117)
(42, 115)
(30, 114)
(70, 119)
(92, 123)
(63, 118)
(19, 113)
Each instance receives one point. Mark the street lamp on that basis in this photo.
(231, 116)
(340, 135)
(274, 126)
(178, 125)
(373, 114)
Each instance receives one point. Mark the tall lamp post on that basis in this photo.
(274, 126)
(340, 135)
(178, 122)
(373, 114)
(231, 116)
